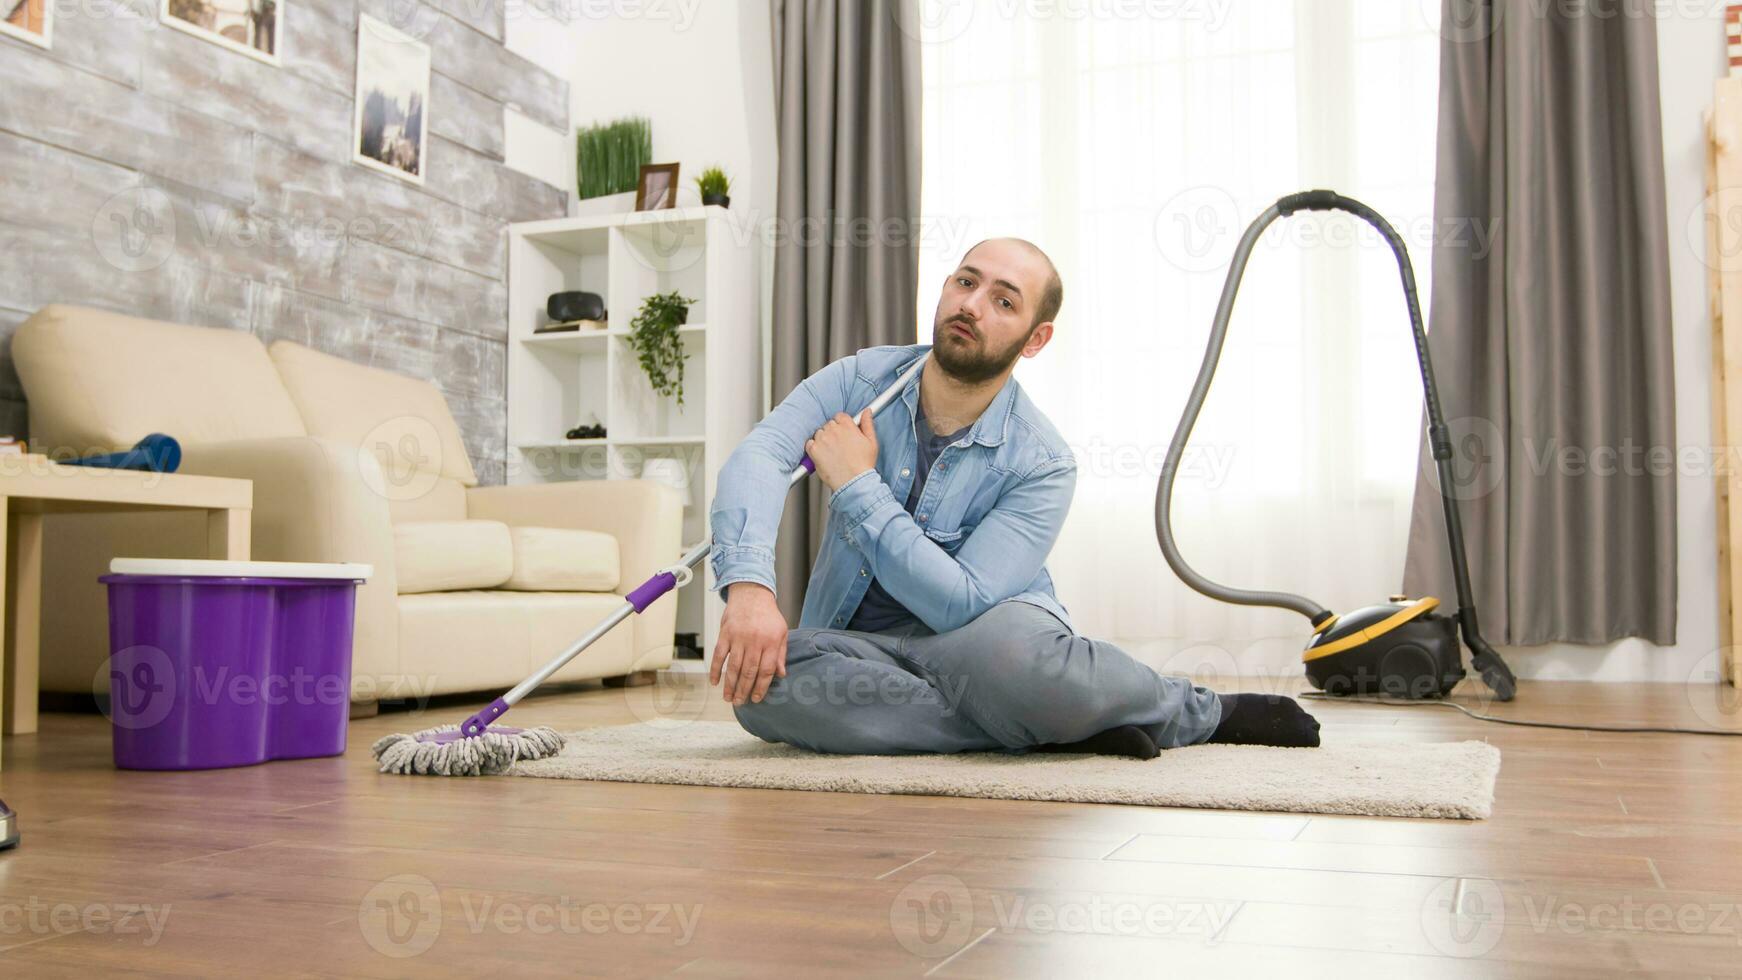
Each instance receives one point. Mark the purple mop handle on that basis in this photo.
(652, 589)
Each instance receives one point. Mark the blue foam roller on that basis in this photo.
(155, 453)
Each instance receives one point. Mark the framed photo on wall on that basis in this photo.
(248, 26)
(657, 188)
(390, 132)
(28, 20)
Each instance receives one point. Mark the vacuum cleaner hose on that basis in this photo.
(1183, 433)
(1317, 200)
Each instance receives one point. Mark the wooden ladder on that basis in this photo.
(1724, 259)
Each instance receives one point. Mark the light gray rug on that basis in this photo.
(1391, 779)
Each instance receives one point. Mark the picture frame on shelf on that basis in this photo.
(657, 188)
(250, 27)
(31, 21)
(390, 124)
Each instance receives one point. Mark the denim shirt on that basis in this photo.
(980, 534)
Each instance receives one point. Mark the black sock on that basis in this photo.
(1126, 740)
(1265, 719)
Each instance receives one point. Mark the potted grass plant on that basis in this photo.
(657, 344)
(608, 161)
(713, 183)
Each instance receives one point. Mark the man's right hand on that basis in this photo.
(751, 650)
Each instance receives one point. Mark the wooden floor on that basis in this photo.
(1606, 854)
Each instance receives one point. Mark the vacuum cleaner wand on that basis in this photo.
(1493, 669)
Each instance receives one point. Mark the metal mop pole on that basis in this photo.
(663, 581)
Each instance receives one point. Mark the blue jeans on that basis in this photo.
(1013, 678)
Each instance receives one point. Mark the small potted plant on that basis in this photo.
(713, 183)
(653, 334)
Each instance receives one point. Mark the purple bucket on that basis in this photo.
(221, 663)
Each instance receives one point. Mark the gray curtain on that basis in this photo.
(1551, 345)
(846, 262)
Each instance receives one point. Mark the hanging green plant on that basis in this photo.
(653, 334)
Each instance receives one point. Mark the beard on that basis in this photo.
(970, 361)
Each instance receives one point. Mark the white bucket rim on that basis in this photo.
(221, 568)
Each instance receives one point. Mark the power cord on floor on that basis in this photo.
(1404, 703)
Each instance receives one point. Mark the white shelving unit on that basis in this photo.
(559, 381)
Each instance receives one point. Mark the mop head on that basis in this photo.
(443, 751)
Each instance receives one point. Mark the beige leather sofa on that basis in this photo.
(473, 586)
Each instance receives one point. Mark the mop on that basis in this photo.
(475, 747)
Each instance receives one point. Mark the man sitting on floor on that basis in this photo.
(929, 623)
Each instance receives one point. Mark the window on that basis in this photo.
(1134, 141)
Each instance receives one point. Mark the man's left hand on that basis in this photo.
(842, 449)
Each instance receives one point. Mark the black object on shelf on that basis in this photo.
(595, 431)
(576, 305)
(688, 647)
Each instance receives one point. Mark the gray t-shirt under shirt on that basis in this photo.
(879, 612)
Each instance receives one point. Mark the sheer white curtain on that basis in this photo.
(1134, 150)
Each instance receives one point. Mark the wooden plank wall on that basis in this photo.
(152, 172)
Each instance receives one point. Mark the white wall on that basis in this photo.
(1690, 45)
(540, 33)
(701, 70)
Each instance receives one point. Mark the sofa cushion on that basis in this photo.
(403, 422)
(99, 381)
(558, 559)
(445, 556)
(445, 500)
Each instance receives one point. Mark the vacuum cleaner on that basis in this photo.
(1404, 648)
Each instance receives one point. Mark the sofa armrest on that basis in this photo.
(645, 517)
(313, 501)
